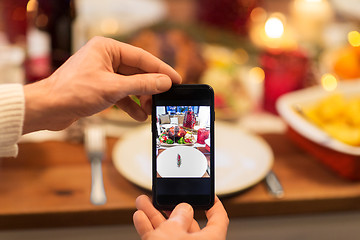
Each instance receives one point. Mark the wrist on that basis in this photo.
(35, 107)
(46, 108)
(41, 111)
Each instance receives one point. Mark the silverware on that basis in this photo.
(95, 149)
(273, 185)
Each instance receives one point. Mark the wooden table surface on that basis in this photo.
(48, 185)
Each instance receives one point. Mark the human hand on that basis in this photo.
(151, 224)
(102, 73)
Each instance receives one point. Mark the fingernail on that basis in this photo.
(184, 207)
(163, 83)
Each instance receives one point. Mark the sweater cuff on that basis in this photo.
(12, 104)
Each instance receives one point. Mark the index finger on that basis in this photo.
(144, 204)
(217, 213)
(218, 220)
(139, 58)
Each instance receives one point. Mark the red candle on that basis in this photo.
(285, 71)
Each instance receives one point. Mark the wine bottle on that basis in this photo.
(49, 36)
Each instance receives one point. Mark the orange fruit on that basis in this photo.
(347, 64)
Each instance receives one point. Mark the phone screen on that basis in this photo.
(183, 147)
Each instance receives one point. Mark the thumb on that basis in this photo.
(144, 84)
(183, 215)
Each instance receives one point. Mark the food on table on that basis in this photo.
(176, 135)
(176, 48)
(338, 116)
(188, 138)
(197, 62)
(203, 55)
(176, 132)
(224, 74)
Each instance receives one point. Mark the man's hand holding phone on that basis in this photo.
(151, 224)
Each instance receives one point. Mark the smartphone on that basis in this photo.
(183, 147)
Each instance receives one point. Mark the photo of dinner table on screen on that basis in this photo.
(183, 141)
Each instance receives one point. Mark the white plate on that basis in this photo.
(193, 162)
(285, 106)
(241, 159)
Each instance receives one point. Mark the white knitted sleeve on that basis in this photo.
(12, 107)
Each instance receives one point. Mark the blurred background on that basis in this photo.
(250, 51)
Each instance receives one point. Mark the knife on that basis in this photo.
(273, 185)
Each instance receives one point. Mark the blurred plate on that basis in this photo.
(286, 106)
(193, 162)
(241, 159)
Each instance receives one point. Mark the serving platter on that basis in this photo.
(289, 107)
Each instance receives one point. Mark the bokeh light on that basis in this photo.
(274, 27)
(257, 74)
(354, 38)
(329, 82)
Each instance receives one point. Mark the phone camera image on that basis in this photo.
(182, 147)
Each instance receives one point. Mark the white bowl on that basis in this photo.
(286, 107)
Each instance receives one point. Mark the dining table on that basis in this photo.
(48, 185)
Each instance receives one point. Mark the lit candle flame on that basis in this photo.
(274, 27)
(273, 33)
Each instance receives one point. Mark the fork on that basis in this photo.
(95, 149)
